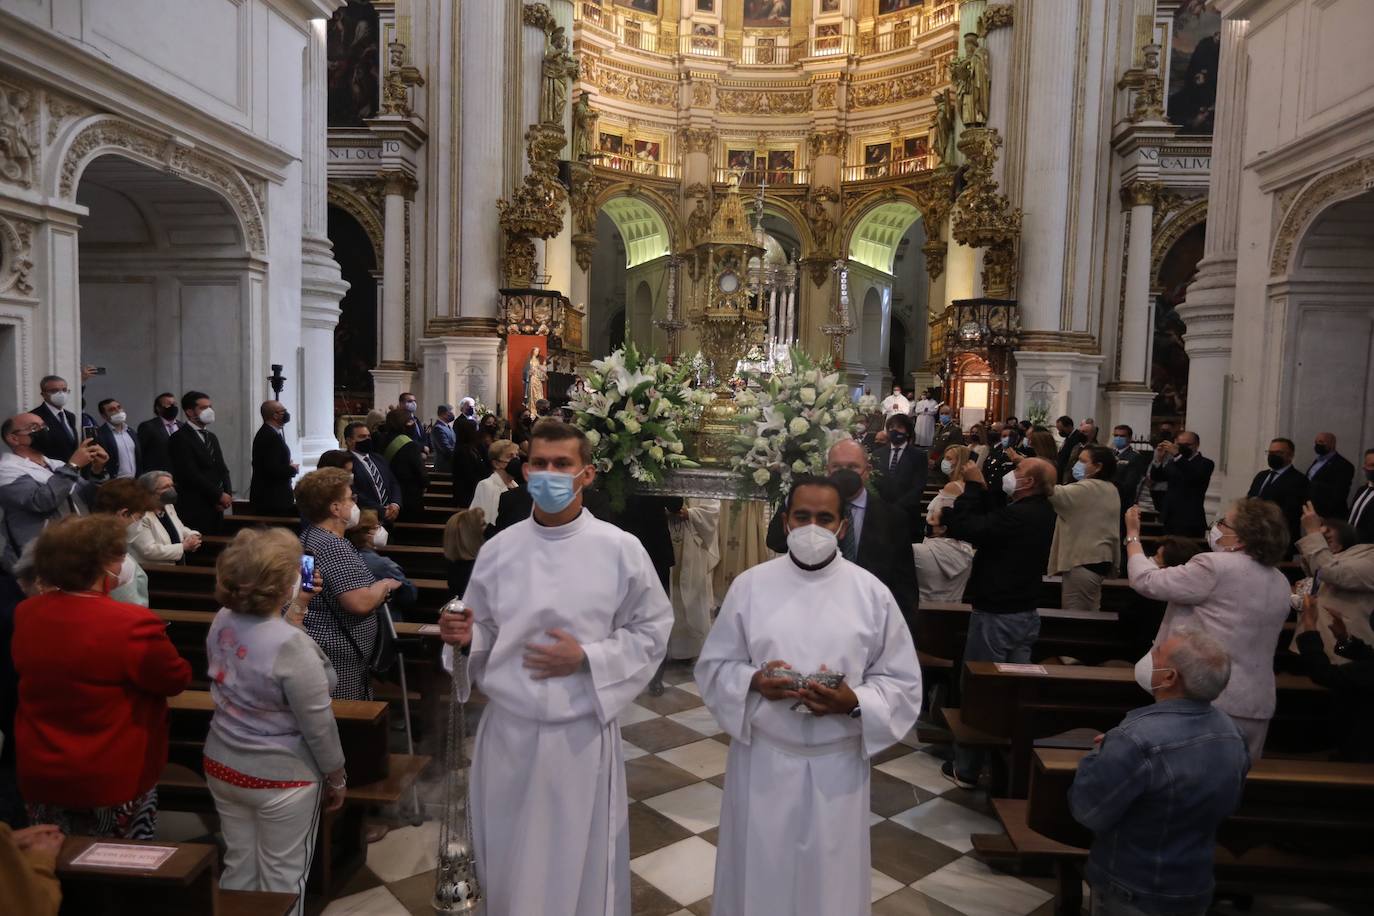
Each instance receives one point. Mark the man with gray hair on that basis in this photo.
(1160, 783)
(442, 436)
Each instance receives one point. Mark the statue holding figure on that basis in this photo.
(536, 378)
(559, 66)
(584, 119)
(972, 79)
(943, 124)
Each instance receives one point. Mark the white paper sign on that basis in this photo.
(119, 855)
(1005, 668)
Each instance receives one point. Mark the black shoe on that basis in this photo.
(954, 776)
(656, 687)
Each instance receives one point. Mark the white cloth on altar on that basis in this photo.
(548, 805)
(895, 403)
(794, 819)
(696, 551)
(925, 411)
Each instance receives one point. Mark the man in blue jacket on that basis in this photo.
(1159, 784)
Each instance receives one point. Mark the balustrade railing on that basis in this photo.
(904, 166)
(624, 162)
(765, 54)
(771, 176)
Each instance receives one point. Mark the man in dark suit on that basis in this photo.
(1179, 467)
(1073, 440)
(1329, 478)
(877, 538)
(1131, 466)
(902, 470)
(118, 441)
(64, 431)
(204, 492)
(646, 517)
(1362, 505)
(1283, 485)
(154, 434)
(374, 485)
(269, 491)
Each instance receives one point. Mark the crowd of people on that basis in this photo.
(916, 510)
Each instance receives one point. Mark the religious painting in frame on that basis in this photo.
(830, 6)
(646, 156)
(767, 13)
(913, 148)
(641, 6)
(706, 6)
(740, 160)
(782, 166)
(705, 36)
(876, 156)
(895, 6)
(1194, 53)
(827, 30)
(352, 64)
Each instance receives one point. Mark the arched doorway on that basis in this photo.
(356, 335)
(166, 297)
(1327, 304)
(872, 324)
(631, 254)
(888, 238)
(1168, 358)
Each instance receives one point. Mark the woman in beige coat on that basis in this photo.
(1344, 584)
(1087, 537)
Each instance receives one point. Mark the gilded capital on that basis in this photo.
(395, 181)
(1140, 194)
(697, 140)
(827, 142)
(998, 16)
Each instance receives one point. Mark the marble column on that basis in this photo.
(1210, 305)
(998, 19)
(322, 285)
(483, 180)
(393, 374)
(1130, 399)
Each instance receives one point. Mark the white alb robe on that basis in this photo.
(894, 404)
(547, 800)
(794, 819)
(696, 551)
(925, 412)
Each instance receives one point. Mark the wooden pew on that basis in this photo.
(193, 587)
(1021, 703)
(186, 883)
(424, 533)
(1089, 636)
(1300, 823)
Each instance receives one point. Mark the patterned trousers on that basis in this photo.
(134, 820)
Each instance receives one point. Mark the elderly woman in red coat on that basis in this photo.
(94, 677)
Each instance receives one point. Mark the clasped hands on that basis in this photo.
(562, 657)
(821, 700)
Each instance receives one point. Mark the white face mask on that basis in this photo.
(1009, 485)
(118, 418)
(1145, 671)
(58, 399)
(354, 514)
(126, 572)
(379, 537)
(207, 416)
(946, 467)
(812, 545)
(1214, 536)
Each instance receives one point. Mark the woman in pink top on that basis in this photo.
(1236, 595)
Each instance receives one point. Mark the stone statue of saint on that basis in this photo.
(972, 78)
(943, 124)
(536, 377)
(584, 128)
(558, 68)
(698, 222)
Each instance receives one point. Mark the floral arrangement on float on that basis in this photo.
(788, 421)
(632, 409)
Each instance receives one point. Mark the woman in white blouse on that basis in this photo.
(943, 564)
(160, 537)
(487, 496)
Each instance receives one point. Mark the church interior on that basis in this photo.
(1150, 214)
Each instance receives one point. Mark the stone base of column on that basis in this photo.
(388, 381)
(459, 367)
(1129, 404)
(1056, 383)
(322, 287)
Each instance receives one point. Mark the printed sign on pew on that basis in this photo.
(1008, 668)
(118, 855)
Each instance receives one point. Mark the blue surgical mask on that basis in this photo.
(1080, 470)
(945, 418)
(1119, 442)
(552, 491)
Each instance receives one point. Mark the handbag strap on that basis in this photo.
(395, 446)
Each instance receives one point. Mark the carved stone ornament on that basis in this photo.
(633, 88)
(935, 251)
(982, 218)
(760, 102)
(815, 207)
(584, 247)
(1346, 181)
(827, 95)
(698, 189)
(586, 189)
(539, 16)
(697, 140)
(701, 93)
(827, 142)
(18, 135)
(16, 261)
(997, 16)
(879, 92)
(400, 76)
(1148, 104)
(60, 111)
(1140, 194)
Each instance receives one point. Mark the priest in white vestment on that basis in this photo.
(567, 622)
(924, 413)
(696, 551)
(794, 819)
(896, 402)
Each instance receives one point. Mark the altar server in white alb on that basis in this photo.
(794, 819)
(567, 623)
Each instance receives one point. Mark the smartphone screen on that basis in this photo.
(307, 572)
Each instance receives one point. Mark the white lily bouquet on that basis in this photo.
(788, 421)
(632, 410)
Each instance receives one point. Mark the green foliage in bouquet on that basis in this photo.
(788, 421)
(632, 410)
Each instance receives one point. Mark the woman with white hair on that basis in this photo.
(160, 537)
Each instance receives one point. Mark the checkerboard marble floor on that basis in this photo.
(675, 767)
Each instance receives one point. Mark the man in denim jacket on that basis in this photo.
(1159, 784)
